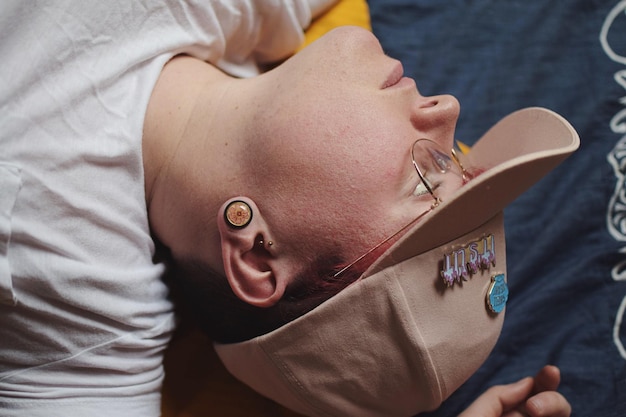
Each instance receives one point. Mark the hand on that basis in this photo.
(528, 397)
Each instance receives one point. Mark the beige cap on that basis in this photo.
(401, 340)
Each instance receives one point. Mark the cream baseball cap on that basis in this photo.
(428, 312)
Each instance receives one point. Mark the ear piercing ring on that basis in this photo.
(238, 214)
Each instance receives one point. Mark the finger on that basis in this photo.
(515, 413)
(548, 404)
(547, 379)
(499, 399)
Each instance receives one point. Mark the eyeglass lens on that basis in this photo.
(436, 166)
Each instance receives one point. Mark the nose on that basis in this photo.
(436, 117)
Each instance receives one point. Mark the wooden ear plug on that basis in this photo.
(238, 214)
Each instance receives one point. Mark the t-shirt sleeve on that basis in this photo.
(260, 32)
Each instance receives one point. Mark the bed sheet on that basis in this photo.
(566, 237)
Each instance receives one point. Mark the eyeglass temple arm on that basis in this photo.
(427, 185)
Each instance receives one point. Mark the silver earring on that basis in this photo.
(238, 214)
(269, 242)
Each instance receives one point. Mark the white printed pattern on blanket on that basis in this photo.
(616, 215)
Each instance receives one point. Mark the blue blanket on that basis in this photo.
(566, 237)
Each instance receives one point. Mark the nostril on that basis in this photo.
(430, 103)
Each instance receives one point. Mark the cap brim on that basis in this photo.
(515, 153)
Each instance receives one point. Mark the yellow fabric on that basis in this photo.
(196, 383)
(345, 12)
(463, 147)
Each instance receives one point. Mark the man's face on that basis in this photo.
(336, 129)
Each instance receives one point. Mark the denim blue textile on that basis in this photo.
(566, 237)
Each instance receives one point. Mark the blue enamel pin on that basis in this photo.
(498, 293)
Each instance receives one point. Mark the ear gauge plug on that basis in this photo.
(238, 214)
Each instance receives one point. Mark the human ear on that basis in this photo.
(251, 261)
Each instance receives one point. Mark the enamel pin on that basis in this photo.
(478, 255)
(498, 293)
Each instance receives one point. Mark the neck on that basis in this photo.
(190, 148)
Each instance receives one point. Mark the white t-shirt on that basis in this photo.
(84, 314)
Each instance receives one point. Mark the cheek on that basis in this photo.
(325, 214)
(356, 142)
(336, 167)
